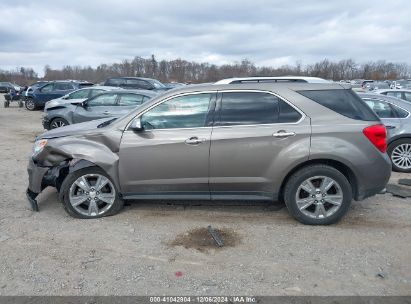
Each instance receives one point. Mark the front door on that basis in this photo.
(256, 138)
(170, 157)
(100, 106)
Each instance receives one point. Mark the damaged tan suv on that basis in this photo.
(314, 146)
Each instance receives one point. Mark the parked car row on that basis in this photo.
(315, 146)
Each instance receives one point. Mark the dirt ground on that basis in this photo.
(161, 248)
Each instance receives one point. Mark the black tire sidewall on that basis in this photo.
(391, 148)
(315, 170)
(69, 180)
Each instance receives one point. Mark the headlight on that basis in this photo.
(50, 104)
(39, 146)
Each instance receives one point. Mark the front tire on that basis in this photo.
(400, 154)
(30, 104)
(90, 193)
(318, 195)
(58, 122)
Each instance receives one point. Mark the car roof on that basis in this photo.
(131, 77)
(274, 79)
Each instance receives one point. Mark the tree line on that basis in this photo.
(180, 70)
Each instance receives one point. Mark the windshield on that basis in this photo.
(157, 84)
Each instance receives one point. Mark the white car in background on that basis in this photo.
(78, 96)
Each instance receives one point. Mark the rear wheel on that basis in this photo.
(58, 122)
(90, 193)
(30, 104)
(318, 195)
(400, 154)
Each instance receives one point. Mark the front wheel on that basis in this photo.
(30, 104)
(58, 122)
(318, 195)
(400, 154)
(90, 193)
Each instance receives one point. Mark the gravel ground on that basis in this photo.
(157, 248)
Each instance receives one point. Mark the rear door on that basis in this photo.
(101, 106)
(256, 136)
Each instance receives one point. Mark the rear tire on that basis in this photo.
(30, 104)
(399, 152)
(318, 195)
(88, 200)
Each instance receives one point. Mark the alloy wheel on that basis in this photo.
(30, 104)
(319, 197)
(57, 123)
(92, 195)
(401, 156)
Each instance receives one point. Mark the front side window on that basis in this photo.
(189, 111)
(79, 94)
(137, 83)
(382, 109)
(115, 82)
(131, 99)
(103, 100)
(47, 88)
(62, 86)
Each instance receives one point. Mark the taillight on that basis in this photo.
(377, 135)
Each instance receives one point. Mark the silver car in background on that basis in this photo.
(78, 96)
(395, 114)
(314, 146)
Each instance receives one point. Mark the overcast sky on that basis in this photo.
(89, 32)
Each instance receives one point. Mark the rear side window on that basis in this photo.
(382, 109)
(131, 99)
(253, 108)
(344, 102)
(115, 82)
(400, 112)
(61, 86)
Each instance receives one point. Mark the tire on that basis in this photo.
(57, 123)
(400, 150)
(6, 104)
(315, 207)
(72, 193)
(30, 104)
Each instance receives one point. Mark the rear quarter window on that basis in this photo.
(344, 102)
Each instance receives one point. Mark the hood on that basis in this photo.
(75, 129)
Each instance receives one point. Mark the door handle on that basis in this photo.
(390, 127)
(283, 134)
(194, 140)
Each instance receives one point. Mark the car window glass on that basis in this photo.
(248, 108)
(401, 113)
(287, 113)
(344, 102)
(115, 82)
(95, 92)
(131, 99)
(382, 109)
(79, 94)
(188, 111)
(137, 83)
(108, 99)
(62, 86)
(395, 94)
(407, 96)
(47, 88)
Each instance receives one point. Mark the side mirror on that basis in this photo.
(83, 104)
(136, 124)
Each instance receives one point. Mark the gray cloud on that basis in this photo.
(91, 32)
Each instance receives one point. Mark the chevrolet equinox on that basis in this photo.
(314, 146)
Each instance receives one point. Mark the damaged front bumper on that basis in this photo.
(41, 177)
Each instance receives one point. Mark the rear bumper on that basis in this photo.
(373, 179)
